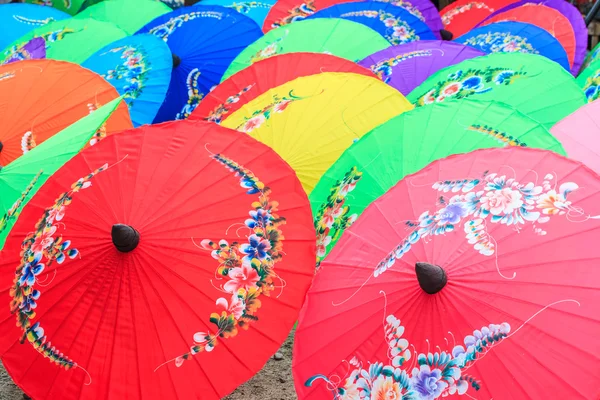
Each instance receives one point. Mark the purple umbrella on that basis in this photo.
(406, 66)
(574, 17)
(425, 10)
(34, 49)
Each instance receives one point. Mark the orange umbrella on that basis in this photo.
(39, 98)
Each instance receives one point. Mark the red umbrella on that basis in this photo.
(251, 82)
(154, 265)
(476, 276)
(461, 16)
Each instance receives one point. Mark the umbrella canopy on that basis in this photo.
(543, 17)
(483, 284)
(461, 16)
(568, 10)
(204, 40)
(338, 37)
(593, 55)
(533, 84)
(18, 19)
(35, 49)
(589, 81)
(72, 39)
(143, 280)
(285, 12)
(579, 134)
(392, 22)
(70, 7)
(516, 37)
(255, 9)
(129, 15)
(403, 146)
(22, 178)
(311, 120)
(139, 67)
(406, 66)
(246, 85)
(39, 98)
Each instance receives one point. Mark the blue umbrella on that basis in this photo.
(17, 19)
(516, 37)
(394, 23)
(139, 67)
(204, 40)
(255, 9)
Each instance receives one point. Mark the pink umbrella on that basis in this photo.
(579, 134)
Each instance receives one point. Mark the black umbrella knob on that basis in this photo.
(446, 35)
(124, 237)
(176, 60)
(432, 278)
(1, 147)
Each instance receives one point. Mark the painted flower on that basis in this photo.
(29, 302)
(428, 383)
(43, 241)
(451, 214)
(400, 32)
(235, 307)
(244, 277)
(552, 203)
(503, 77)
(350, 391)
(257, 247)
(281, 106)
(472, 82)
(258, 218)
(254, 123)
(429, 97)
(384, 388)
(322, 242)
(331, 214)
(31, 270)
(501, 202)
(56, 214)
(389, 22)
(451, 89)
(591, 92)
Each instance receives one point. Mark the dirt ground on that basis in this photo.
(274, 382)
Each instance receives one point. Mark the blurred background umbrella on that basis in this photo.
(394, 23)
(39, 98)
(407, 143)
(35, 49)
(311, 120)
(71, 7)
(17, 19)
(338, 37)
(244, 86)
(72, 39)
(589, 81)
(461, 290)
(547, 18)
(133, 283)
(255, 9)
(406, 66)
(22, 178)
(204, 41)
(129, 15)
(530, 83)
(139, 67)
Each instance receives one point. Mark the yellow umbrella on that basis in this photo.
(310, 121)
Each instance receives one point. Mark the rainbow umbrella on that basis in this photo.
(338, 37)
(17, 19)
(533, 84)
(311, 120)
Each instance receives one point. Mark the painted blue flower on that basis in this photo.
(451, 214)
(259, 218)
(29, 303)
(384, 71)
(31, 270)
(256, 247)
(591, 92)
(472, 82)
(456, 75)
(503, 77)
(428, 383)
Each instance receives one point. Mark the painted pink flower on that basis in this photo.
(236, 307)
(451, 89)
(389, 22)
(322, 242)
(501, 202)
(43, 241)
(400, 32)
(280, 107)
(429, 98)
(244, 277)
(56, 214)
(254, 123)
(385, 388)
(331, 214)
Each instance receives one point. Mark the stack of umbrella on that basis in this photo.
(183, 181)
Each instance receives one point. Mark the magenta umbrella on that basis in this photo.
(572, 14)
(406, 66)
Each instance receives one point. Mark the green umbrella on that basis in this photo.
(22, 178)
(129, 15)
(592, 56)
(68, 6)
(407, 143)
(540, 88)
(342, 38)
(589, 81)
(72, 39)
